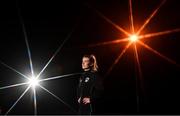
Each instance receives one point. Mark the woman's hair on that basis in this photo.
(93, 62)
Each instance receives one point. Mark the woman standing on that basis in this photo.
(90, 85)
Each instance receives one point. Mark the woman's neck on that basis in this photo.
(86, 69)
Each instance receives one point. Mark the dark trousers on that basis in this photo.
(85, 109)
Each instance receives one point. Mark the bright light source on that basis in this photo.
(33, 82)
(133, 38)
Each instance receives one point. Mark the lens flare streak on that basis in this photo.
(109, 42)
(157, 53)
(159, 33)
(58, 98)
(56, 52)
(33, 81)
(139, 67)
(131, 16)
(14, 70)
(132, 32)
(112, 23)
(150, 17)
(118, 58)
(17, 100)
(58, 77)
(14, 85)
(35, 101)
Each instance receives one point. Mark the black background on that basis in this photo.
(47, 24)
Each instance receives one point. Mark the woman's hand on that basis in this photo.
(86, 100)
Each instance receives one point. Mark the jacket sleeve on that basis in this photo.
(98, 88)
(78, 88)
(87, 86)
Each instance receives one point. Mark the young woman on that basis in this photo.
(90, 85)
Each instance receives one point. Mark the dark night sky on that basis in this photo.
(48, 23)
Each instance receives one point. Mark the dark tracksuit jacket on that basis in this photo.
(91, 86)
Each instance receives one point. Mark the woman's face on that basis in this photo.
(85, 63)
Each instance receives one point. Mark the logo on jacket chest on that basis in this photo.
(86, 79)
